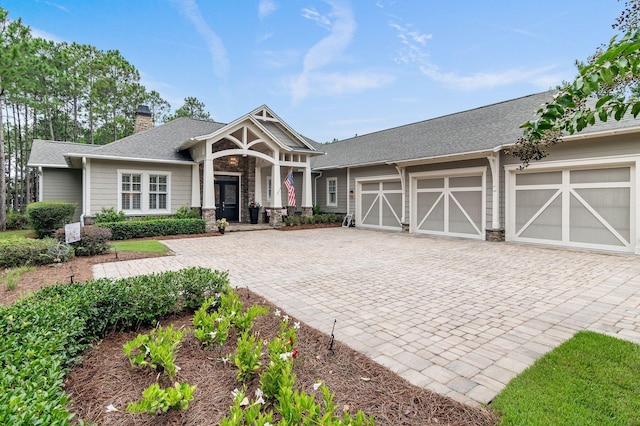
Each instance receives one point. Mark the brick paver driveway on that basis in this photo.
(459, 317)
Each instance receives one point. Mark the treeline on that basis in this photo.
(66, 92)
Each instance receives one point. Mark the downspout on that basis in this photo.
(84, 190)
(40, 184)
(315, 189)
(403, 220)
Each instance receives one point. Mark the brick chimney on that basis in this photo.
(143, 119)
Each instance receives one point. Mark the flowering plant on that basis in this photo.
(253, 204)
(222, 223)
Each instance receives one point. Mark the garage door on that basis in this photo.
(379, 204)
(449, 205)
(588, 208)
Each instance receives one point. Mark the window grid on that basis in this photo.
(332, 192)
(157, 192)
(131, 191)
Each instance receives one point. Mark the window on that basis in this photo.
(131, 191)
(144, 192)
(269, 188)
(332, 192)
(157, 192)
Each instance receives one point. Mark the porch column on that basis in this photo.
(307, 199)
(276, 198)
(496, 233)
(208, 201)
(258, 190)
(195, 185)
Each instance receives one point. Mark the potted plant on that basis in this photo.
(221, 224)
(254, 209)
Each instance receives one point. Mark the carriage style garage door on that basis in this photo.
(449, 204)
(379, 204)
(581, 207)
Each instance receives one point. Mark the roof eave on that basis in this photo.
(136, 159)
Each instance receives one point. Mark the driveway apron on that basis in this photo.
(459, 317)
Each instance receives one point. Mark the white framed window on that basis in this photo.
(157, 192)
(131, 191)
(332, 192)
(269, 188)
(144, 192)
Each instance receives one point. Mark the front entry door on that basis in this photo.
(227, 193)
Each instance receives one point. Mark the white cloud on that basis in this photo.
(279, 59)
(313, 15)
(266, 8)
(190, 9)
(36, 33)
(57, 6)
(338, 83)
(490, 80)
(413, 51)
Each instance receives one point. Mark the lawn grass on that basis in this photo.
(591, 379)
(15, 234)
(143, 246)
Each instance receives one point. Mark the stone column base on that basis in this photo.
(275, 219)
(307, 211)
(495, 235)
(405, 227)
(209, 216)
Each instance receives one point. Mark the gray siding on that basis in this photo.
(104, 182)
(63, 185)
(320, 187)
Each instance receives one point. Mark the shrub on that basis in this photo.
(42, 335)
(154, 228)
(94, 240)
(25, 251)
(16, 221)
(109, 214)
(185, 212)
(47, 216)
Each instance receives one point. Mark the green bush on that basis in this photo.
(154, 228)
(185, 212)
(43, 335)
(47, 216)
(16, 221)
(94, 240)
(109, 214)
(25, 251)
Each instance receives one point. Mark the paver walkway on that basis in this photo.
(459, 317)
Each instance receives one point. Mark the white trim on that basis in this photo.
(566, 189)
(144, 192)
(117, 158)
(380, 192)
(87, 185)
(328, 193)
(269, 188)
(448, 194)
(242, 152)
(257, 193)
(195, 185)
(348, 190)
(41, 189)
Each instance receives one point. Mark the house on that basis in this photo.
(449, 176)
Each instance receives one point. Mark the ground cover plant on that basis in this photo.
(21, 233)
(139, 246)
(43, 335)
(105, 383)
(591, 379)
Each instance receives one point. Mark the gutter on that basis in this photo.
(315, 189)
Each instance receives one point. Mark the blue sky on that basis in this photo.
(333, 68)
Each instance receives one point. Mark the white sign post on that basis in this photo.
(72, 232)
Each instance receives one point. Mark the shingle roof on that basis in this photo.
(161, 142)
(51, 153)
(481, 129)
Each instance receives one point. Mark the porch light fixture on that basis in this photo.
(233, 161)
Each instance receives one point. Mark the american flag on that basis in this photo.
(288, 182)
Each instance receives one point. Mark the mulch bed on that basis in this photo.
(105, 377)
(309, 226)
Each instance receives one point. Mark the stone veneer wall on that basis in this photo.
(495, 235)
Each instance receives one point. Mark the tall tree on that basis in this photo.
(192, 108)
(606, 88)
(13, 36)
(159, 107)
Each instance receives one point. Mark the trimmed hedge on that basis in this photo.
(47, 216)
(16, 252)
(16, 221)
(94, 240)
(43, 335)
(154, 228)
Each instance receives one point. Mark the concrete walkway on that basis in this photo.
(459, 317)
